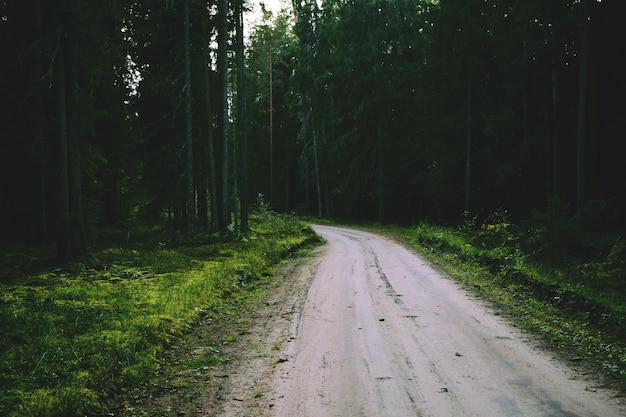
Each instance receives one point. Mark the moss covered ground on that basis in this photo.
(78, 335)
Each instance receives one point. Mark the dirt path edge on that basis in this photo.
(250, 346)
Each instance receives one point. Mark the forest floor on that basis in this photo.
(140, 317)
(352, 322)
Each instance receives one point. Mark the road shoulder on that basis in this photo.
(250, 346)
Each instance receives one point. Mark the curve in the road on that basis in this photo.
(383, 334)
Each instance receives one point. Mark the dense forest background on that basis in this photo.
(117, 113)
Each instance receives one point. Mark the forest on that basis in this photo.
(118, 113)
(159, 158)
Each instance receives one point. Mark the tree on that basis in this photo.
(209, 118)
(189, 174)
(64, 238)
(241, 115)
(273, 167)
(390, 111)
(583, 103)
(222, 65)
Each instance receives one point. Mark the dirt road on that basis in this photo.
(377, 332)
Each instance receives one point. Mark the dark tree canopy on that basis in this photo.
(430, 108)
(116, 113)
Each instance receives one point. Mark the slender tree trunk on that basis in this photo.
(525, 88)
(40, 140)
(77, 217)
(582, 117)
(214, 200)
(201, 177)
(234, 174)
(43, 181)
(468, 143)
(307, 182)
(64, 248)
(242, 121)
(234, 179)
(223, 68)
(525, 191)
(555, 132)
(201, 163)
(190, 196)
(305, 160)
(43, 157)
(468, 109)
(381, 169)
(324, 173)
(271, 124)
(317, 176)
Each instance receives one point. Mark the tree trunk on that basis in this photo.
(271, 123)
(582, 117)
(43, 178)
(307, 182)
(77, 217)
(201, 178)
(64, 248)
(468, 109)
(242, 120)
(324, 174)
(190, 196)
(317, 176)
(381, 169)
(214, 200)
(233, 185)
(304, 167)
(555, 132)
(468, 143)
(41, 139)
(223, 69)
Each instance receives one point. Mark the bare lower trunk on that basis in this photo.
(64, 248)
(77, 216)
(468, 145)
(381, 171)
(271, 124)
(317, 176)
(555, 133)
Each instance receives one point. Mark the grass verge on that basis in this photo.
(74, 337)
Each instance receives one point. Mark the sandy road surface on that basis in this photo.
(380, 333)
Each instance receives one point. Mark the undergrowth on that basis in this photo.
(76, 336)
(568, 286)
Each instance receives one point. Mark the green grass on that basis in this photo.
(74, 337)
(577, 299)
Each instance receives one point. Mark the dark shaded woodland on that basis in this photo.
(117, 113)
